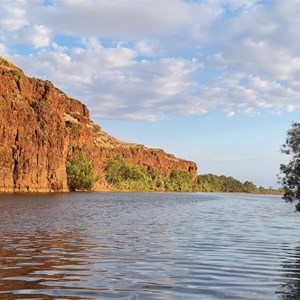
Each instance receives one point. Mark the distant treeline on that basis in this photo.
(214, 183)
(122, 175)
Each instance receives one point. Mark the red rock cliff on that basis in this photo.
(40, 127)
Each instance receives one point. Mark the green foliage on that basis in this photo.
(214, 183)
(120, 174)
(179, 181)
(74, 129)
(291, 171)
(249, 187)
(80, 173)
(123, 175)
(18, 77)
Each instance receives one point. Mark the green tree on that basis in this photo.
(80, 173)
(291, 172)
(215, 183)
(249, 187)
(121, 174)
(180, 181)
(115, 169)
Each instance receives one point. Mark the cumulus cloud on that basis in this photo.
(13, 16)
(150, 59)
(114, 82)
(16, 28)
(38, 36)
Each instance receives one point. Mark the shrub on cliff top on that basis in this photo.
(80, 173)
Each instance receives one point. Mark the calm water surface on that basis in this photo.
(148, 246)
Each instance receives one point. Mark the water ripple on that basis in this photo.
(148, 246)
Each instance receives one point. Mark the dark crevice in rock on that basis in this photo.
(16, 172)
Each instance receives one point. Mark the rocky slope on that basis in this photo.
(41, 127)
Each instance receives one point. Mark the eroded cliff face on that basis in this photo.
(41, 127)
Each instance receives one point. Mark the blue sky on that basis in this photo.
(216, 81)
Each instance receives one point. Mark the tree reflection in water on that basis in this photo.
(290, 289)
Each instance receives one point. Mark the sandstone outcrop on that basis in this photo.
(41, 127)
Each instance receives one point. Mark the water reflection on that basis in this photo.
(70, 264)
(33, 263)
(290, 289)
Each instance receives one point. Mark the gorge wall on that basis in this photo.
(41, 127)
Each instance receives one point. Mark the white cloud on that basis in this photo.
(12, 15)
(3, 49)
(38, 36)
(125, 20)
(148, 48)
(149, 59)
(16, 27)
(113, 82)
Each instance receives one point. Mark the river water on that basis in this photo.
(148, 246)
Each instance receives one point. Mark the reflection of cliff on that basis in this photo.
(34, 266)
(290, 290)
(40, 127)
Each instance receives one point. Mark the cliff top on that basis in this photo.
(4, 62)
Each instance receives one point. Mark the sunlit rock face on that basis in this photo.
(41, 127)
